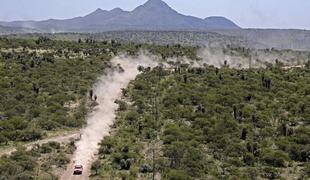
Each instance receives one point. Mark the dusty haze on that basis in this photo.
(256, 58)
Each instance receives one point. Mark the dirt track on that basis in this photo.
(68, 174)
(66, 138)
(108, 89)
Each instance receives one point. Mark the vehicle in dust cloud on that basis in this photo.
(78, 170)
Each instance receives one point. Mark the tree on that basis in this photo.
(125, 164)
(244, 134)
(96, 166)
(178, 175)
(3, 139)
(275, 158)
(249, 159)
(91, 93)
(146, 168)
(271, 173)
(307, 169)
(175, 153)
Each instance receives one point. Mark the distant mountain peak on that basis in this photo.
(117, 10)
(98, 10)
(154, 8)
(156, 4)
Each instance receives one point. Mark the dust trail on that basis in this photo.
(217, 58)
(108, 89)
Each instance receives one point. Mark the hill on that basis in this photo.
(15, 30)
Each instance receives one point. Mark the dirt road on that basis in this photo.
(65, 138)
(68, 174)
(108, 89)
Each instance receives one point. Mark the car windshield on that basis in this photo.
(78, 167)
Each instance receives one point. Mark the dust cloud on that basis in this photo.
(108, 89)
(254, 59)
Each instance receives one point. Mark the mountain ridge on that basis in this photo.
(152, 15)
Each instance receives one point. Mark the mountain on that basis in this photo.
(15, 30)
(217, 22)
(153, 15)
(157, 15)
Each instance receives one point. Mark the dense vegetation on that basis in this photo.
(210, 123)
(186, 122)
(42, 162)
(43, 88)
(43, 83)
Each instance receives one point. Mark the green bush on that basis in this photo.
(178, 175)
(275, 158)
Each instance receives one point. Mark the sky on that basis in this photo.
(284, 14)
